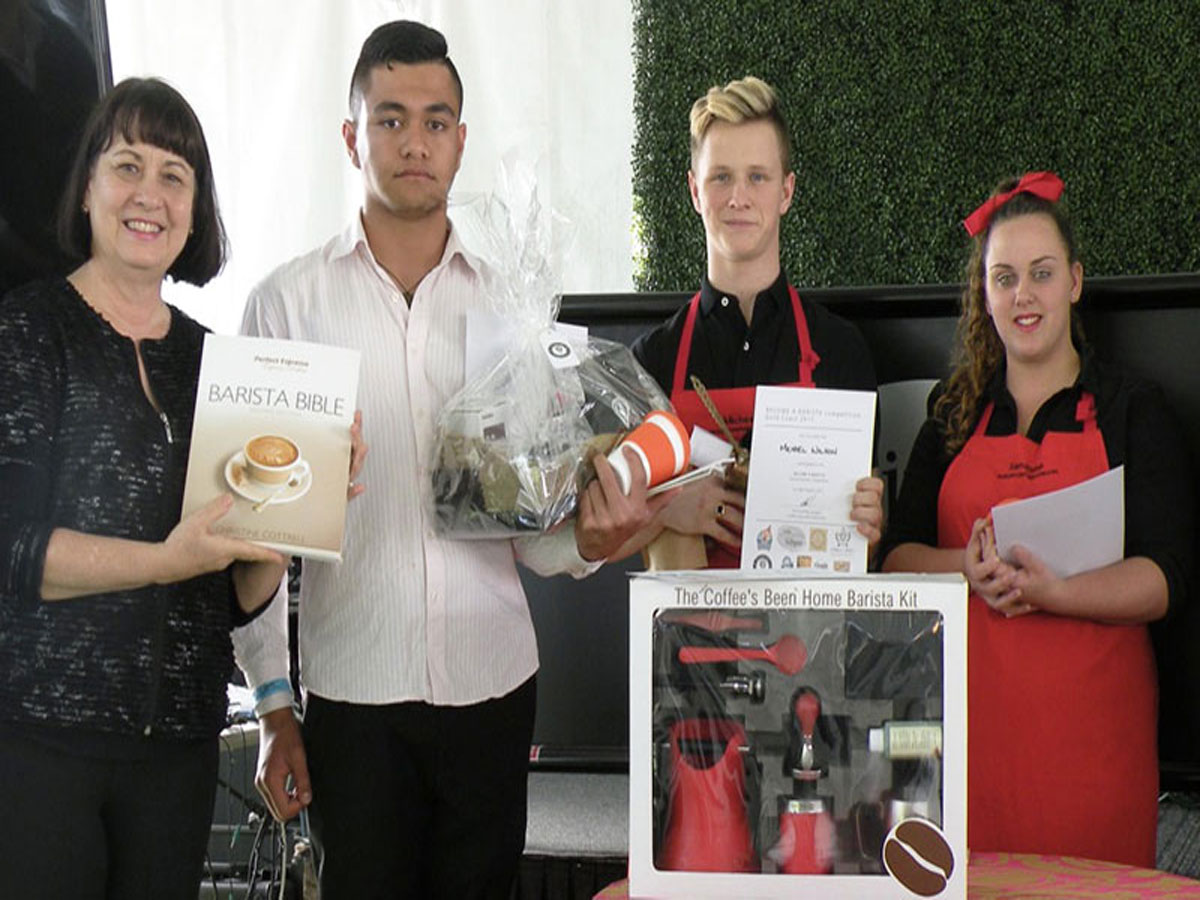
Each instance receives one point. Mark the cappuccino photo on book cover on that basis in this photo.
(272, 427)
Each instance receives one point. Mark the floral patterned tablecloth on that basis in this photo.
(1024, 876)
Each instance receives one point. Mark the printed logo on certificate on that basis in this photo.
(810, 447)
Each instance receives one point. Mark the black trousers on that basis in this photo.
(78, 828)
(418, 801)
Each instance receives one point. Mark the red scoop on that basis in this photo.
(788, 654)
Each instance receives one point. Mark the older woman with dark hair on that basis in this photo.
(114, 614)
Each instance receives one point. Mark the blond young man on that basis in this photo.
(746, 325)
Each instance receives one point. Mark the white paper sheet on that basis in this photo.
(489, 336)
(1072, 530)
(706, 471)
(810, 447)
(708, 448)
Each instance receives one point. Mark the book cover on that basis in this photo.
(272, 427)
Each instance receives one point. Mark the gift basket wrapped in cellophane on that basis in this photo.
(513, 447)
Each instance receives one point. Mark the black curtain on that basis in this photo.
(54, 64)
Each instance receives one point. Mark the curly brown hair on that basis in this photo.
(978, 351)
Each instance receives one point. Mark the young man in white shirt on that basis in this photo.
(418, 652)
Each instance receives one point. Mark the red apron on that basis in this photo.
(1062, 750)
(708, 828)
(736, 405)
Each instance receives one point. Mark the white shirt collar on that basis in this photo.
(354, 236)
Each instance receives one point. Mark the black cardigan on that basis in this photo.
(82, 448)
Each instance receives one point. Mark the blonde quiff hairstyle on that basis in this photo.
(748, 99)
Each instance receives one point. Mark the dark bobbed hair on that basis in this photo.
(978, 350)
(400, 42)
(152, 112)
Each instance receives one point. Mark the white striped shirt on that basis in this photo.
(408, 615)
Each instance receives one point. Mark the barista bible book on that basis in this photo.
(272, 427)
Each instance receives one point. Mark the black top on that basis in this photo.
(82, 448)
(1140, 432)
(726, 353)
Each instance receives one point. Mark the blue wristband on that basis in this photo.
(278, 686)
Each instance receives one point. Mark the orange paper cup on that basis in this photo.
(662, 446)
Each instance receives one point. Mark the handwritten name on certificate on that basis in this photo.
(810, 447)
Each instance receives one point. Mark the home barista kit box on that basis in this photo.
(797, 736)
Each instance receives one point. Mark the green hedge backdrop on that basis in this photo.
(905, 113)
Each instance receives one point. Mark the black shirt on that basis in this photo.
(726, 353)
(1140, 432)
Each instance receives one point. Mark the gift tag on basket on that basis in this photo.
(559, 343)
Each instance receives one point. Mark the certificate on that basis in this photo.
(810, 447)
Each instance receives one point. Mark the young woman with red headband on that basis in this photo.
(1062, 691)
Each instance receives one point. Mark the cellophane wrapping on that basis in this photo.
(513, 447)
(790, 741)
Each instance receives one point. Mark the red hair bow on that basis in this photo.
(1046, 185)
